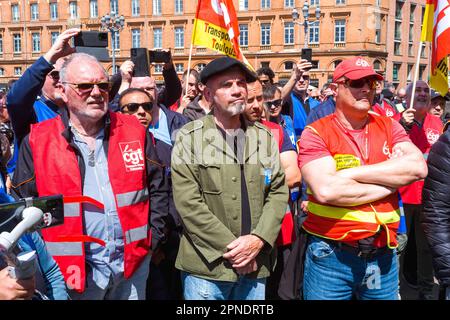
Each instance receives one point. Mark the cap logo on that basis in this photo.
(362, 63)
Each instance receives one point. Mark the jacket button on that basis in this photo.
(233, 197)
(235, 217)
(234, 179)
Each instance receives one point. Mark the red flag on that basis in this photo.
(216, 27)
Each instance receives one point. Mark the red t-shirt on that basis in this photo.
(312, 146)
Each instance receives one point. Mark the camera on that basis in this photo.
(94, 43)
(159, 56)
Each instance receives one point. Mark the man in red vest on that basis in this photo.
(353, 162)
(424, 130)
(106, 167)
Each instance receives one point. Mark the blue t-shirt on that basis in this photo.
(161, 129)
(287, 143)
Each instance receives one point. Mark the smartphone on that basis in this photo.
(307, 54)
(91, 39)
(159, 56)
(139, 56)
(52, 206)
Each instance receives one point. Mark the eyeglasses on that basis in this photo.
(273, 104)
(87, 87)
(358, 84)
(134, 107)
(54, 75)
(304, 77)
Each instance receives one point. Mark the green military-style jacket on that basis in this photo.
(206, 179)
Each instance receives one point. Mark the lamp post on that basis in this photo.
(306, 23)
(113, 23)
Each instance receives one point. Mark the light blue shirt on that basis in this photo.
(161, 129)
(106, 262)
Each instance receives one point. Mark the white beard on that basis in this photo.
(236, 109)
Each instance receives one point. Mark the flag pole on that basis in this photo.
(189, 68)
(416, 75)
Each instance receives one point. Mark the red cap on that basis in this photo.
(355, 68)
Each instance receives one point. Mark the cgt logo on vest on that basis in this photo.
(132, 155)
(432, 136)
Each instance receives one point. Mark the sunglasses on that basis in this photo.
(134, 107)
(305, 78)
(87, 87)
(54, 75)
(273, 104)
(316, 98)
(358, 84)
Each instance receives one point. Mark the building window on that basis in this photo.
(377, 65)
(289, 3)
(114, 6)
(315, 2)
(340, 1)
(200, 67)
(422, 71)
(410, 73)
(243, 5)
(116, 41)
(17, 71)
(243, 35)
(412, 11)
(398, 10)
(339, 31)
(288, 33)
(34, 8)
(378, 36)
(135, 38)
(157, 7)
(179, 37)
(17, 42)
(158, 68)
(336, 63)
(178, 6)
(2, 72)
(157, 38)
(135, 8)
(179, 67)
(53, 11)
(93, 6)
(1, 43)
(314, 32)
(288, 65)
(36, 41)
(265, 34)
(54, 36)
(73, 9)
(395, 70)
(397, 51)
(265, 64)
(398, 30)
(265, 4)
(15, 12)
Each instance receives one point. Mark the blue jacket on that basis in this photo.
(25, 107)
(49, 279)
(175, 121)
(322, 110)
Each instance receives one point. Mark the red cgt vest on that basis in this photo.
(287, 232)
(57, 171)
(353, 223)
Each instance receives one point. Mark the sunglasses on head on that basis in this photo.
(134, 107)
(273, 104)
(358, 84)
(54, 75)
(87, 87)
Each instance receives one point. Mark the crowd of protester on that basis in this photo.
(214, 185)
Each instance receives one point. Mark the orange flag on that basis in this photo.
(216, 27)
(436, 29)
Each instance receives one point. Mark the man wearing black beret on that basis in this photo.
(230, 193)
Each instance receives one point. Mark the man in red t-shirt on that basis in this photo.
(424, 130)
(353, 162)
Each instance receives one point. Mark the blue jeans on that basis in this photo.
(196, 288)
(334, 274)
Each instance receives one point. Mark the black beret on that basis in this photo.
(222, 64)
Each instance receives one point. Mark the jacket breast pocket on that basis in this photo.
(210, 178)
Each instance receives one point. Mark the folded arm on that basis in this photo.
(328, 186)
(405, 166)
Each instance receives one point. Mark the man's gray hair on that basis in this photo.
(410, 87)
(75, 57)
